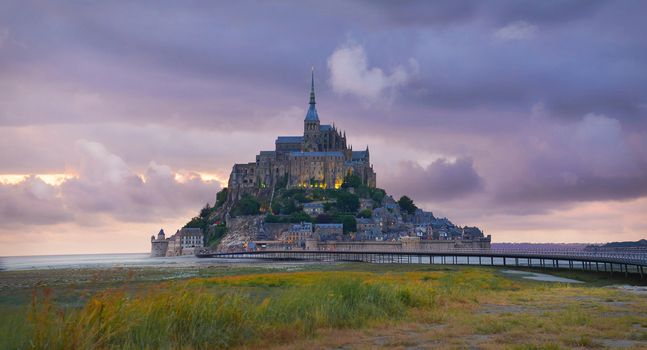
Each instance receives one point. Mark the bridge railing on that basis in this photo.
(630, 256)
(634, 257)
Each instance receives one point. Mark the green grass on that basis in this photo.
(257, 307)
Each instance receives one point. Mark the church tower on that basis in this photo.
(311, 124)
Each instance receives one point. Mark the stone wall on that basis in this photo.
(240, 230)
(274, 230)
(422, 245)
(158, 248)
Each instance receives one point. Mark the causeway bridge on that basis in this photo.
(624, 261)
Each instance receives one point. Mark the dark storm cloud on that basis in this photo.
(444, 12)
(208, 64)
(590, 160)
(450, 75)
(569, 187)
(441, 180)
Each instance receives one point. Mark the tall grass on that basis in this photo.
(206, 316)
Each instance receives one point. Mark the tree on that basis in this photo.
(206, 211)
(277, 207)
(351, 180)
(366, 213)
(406, 204)
(289, 207)
(197, 222)
(323, 219)
(347, 202)
(247, 205)
(350, 224)
(221, 197)
(377, 195)
(215, 234)
(299, 216)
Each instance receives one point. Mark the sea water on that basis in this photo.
(39, 262)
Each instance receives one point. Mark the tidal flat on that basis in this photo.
(318, 306)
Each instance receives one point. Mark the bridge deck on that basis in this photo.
(628, 262)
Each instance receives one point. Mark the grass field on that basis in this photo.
(315, 306)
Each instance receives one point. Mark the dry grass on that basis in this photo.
(380, 307)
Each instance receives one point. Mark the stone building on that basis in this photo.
(313, 209)
(184, 242)
(327, 232)
(320, 158)
(297, 234)
(368, 229)
(159, 245)
(190, 240)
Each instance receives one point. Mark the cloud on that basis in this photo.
(32, 202)
(105, 186)
(4, 37)
(518, 30)
(442, 180)
(590, 160)
(350, 74)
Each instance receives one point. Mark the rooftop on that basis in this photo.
(317, 154)
(289, 139)
(359, 155)
(329, 225)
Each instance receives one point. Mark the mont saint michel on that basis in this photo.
(282, 175)
(312, 192)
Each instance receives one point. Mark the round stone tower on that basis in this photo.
(159, 245)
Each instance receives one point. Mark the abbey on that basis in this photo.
(320, 158)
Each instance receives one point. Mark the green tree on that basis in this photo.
(206, 211)
(366, 213)
(351, 180)
(272, 219)
(197, 222)
(247, 205)
(215, 234)
(221, 197)
(406, 204)
(282, 182)
(277, 207)
(377, 195)
(350, 224)
(289, 207)
(300, 216)
(347, 202)
(323, 219)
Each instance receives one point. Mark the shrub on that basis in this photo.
(221, 197)
(247, 205)
(406, 204)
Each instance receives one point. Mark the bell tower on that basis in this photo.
(311, 123)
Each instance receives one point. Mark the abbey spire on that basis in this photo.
(312, 87)
(312, 111)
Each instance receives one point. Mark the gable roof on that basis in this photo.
(289, 139)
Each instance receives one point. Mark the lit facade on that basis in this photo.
(318, 159)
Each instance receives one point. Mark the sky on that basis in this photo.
(118, 118)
